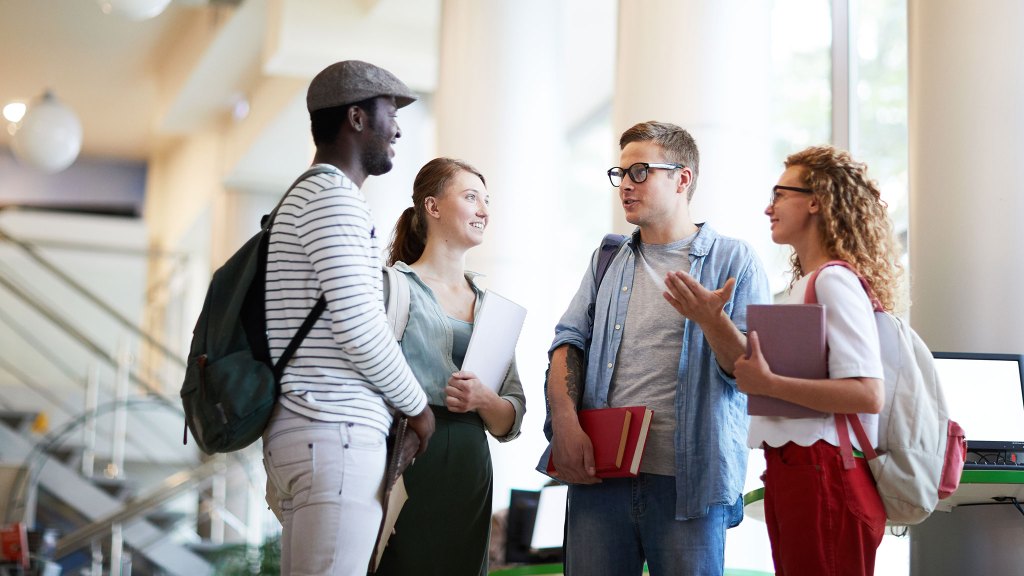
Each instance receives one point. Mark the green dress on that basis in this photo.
(444, 527)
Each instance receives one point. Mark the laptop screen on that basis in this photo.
(985, 395)
(549, 529)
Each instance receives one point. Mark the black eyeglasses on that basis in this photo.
(775, 192)
(637, 172)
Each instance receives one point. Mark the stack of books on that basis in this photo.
(618, 436)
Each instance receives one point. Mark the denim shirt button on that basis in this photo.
(618, 326)
(624, 288)
(609, 364)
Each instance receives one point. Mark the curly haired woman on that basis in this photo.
(823, 518)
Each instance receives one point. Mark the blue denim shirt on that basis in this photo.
(427, 347)
(710, 412)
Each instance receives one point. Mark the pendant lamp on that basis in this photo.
(134, 9)
(49, 137)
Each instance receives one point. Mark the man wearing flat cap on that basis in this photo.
(324, 449)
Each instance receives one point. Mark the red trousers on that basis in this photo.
(822, 519)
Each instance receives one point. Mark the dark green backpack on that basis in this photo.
(231, 385)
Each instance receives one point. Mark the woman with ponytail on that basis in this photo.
(444, 528)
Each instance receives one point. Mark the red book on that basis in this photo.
(618, 436)
(607, 429)
(792, 340)
(14, 544)
(639, 426)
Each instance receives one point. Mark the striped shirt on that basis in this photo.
(349, 368)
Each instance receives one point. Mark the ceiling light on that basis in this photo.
(134, 9)
(239, 107)
(14, 111)
(49, 137)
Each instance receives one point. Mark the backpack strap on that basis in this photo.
(811, 296)
(396, 300)
(268, 219)
(846, 421)
(321, 304)
(609, 246)
(307, 325)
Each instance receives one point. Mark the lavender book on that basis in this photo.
(792, 339)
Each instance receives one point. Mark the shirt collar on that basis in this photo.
(470, 275)
(701, 245)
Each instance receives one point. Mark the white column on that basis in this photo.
(966, 205)
(966, 174)
(705, 66)
(499, 107)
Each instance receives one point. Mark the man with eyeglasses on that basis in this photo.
(668, 324)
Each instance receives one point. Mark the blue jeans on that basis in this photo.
(615, 525)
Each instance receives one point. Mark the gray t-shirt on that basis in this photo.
(652, 342)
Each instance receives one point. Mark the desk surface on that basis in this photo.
(982, 486)
(976, 487)
(992, 477)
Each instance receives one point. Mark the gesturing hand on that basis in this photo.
(691, 299)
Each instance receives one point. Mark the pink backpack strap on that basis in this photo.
(811, 296)
(845, 446)
(842, 430)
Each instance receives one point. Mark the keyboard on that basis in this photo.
(993, 466)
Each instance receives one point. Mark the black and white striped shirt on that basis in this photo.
(349, 367)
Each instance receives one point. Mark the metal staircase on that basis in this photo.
(104, 511)
(67, 356)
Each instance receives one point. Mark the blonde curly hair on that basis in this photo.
(855, 224)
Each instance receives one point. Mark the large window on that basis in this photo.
(880, 120)
(801, 69)
(875, 110)
(877, 71)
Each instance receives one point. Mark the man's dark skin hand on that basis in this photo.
(423, 425)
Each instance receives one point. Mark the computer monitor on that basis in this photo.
(985, 394)
(522, 513)
(533, 533)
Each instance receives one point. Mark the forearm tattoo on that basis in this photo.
(574, 373)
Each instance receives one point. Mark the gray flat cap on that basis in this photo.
(352, 81)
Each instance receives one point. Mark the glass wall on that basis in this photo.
(801, 72)
(802, 115)
(880, 122)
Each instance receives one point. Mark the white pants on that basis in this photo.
(324, 484)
